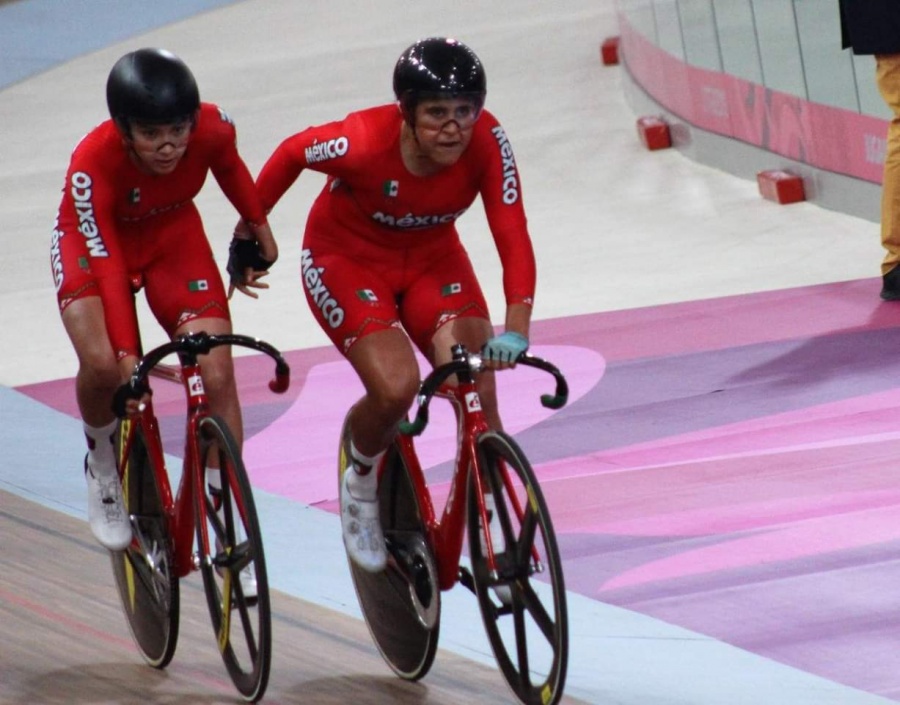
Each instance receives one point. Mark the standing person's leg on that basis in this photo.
(888, 80)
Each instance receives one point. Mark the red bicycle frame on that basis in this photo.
(178, 511)
(446, 535)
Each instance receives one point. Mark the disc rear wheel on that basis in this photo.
(401, 604)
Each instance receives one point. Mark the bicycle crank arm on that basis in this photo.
(409, 557)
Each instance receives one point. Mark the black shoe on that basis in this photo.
(890, 288)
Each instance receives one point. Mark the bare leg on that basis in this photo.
(98, 377)
(387, 368)
(98, 372)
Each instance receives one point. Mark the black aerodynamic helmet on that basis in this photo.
(438, 67)
(152, 86)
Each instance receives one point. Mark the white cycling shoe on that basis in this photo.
(247, 576)
(360, 520)
(107, 515)
(248, 583)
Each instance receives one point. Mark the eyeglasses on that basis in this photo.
(437, 115)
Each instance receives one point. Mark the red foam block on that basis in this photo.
(654, 132)
(609, 51)
(780, 186)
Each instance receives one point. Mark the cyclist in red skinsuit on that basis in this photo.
(382, 258)
(127, 213)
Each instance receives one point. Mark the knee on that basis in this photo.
(394, 395)
(97, 367)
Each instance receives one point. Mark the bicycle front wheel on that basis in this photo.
(232, 561)
(523, 603)
(145, 571)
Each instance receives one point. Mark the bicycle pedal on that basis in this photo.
(466, 579)
(502, 609)
(248, 602)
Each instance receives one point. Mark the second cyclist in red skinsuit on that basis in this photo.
(382, 260)
(127, 213)
(122, 220)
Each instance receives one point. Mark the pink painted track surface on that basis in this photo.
(737, 461)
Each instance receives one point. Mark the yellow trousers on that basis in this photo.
(887, 75)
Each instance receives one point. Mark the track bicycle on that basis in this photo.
(516, 571)
(219, 512)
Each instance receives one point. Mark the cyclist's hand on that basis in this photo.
(246, 266)
(503, 350)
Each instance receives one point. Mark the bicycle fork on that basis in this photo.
(190, 488)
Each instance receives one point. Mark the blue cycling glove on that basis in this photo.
(505, 347)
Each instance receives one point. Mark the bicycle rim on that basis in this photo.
(145, 571)
(528, 628)
(227, 518)
(401, 605)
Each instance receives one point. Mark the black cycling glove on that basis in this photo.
(243, 254)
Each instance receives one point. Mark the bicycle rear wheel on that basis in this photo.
(401, 605)
(145, 571)
(228, 525)
(528, 626)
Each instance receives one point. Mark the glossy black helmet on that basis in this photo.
(152, 86)
(438, 67)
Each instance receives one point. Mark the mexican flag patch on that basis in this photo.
(366, 295)
(391, 188)
(449, 289)
(199, 285)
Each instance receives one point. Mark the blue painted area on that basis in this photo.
(45, 462)
(36, 35)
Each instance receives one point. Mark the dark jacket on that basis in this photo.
(870, 26)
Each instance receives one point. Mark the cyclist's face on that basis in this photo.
(159, 148)
(444, 127)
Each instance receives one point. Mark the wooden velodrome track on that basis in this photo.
(65, 639)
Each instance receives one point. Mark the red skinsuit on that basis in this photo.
(117, 223)
(376, 230)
